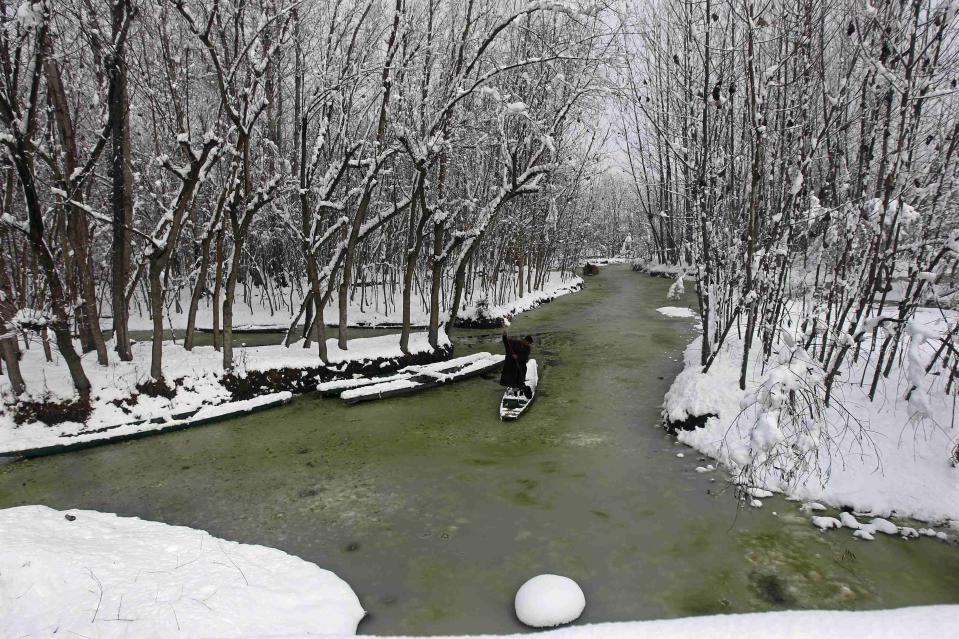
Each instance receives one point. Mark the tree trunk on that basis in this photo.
(228, 320)
(122, 196)
(9, 350)
(459, 281)
(156, 314)
(197, 291)
(436, 284)
(519, 272)
(320, 303)
(217, 289)
(412, 255)
(343, 296)
(77, 230)
(61, 323)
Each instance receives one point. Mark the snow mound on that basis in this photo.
(676, 311)
(549, 600)
(899, 464)
(825, 523)
(868, 531)
(86, 573)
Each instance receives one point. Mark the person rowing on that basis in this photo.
(514, 366)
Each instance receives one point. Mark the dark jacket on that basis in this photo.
(514, 366)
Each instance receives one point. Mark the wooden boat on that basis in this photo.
(411, 379)
(515, 402)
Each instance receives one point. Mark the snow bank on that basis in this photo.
(883, 460)
(90, 574)
(482, 314)
(868, 531)
(921, 622)
(549, 600)
(201, 370)
(35, 435)
(672, 271)
(676, 311)
(606, 261)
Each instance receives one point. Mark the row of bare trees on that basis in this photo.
(803, 156)
(192, 149)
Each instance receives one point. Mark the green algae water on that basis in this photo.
(435, 512)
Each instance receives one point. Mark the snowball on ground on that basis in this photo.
(549, 600)
(86, 573)
(676, 311)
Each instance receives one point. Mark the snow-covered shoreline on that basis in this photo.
(118, 406)
(92, 574)
(919, 622)
(676, 311)
(36, 438)
(882, 461)
(483, 316)
(657, 269)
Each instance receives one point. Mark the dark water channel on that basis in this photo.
(435, 512)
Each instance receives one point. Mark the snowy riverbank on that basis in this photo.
(92, 574)
(657, 269)
(123, 404)
(82, 573)
(921, 622)
(484, 316)
(120, 406)
(890, 456)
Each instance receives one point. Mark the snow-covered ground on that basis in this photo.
(663, 270)
(676, 311)
(90, 574)
(201, 370)
(369, 309)
(82, 573)
(118, 406)
(921, 622)
(31, 436)
(884, 457)
(484, 313)
(605, 261)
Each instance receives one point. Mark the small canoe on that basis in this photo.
(515, 402)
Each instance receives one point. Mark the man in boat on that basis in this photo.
(514, 366)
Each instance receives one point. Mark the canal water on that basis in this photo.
(435, 512)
